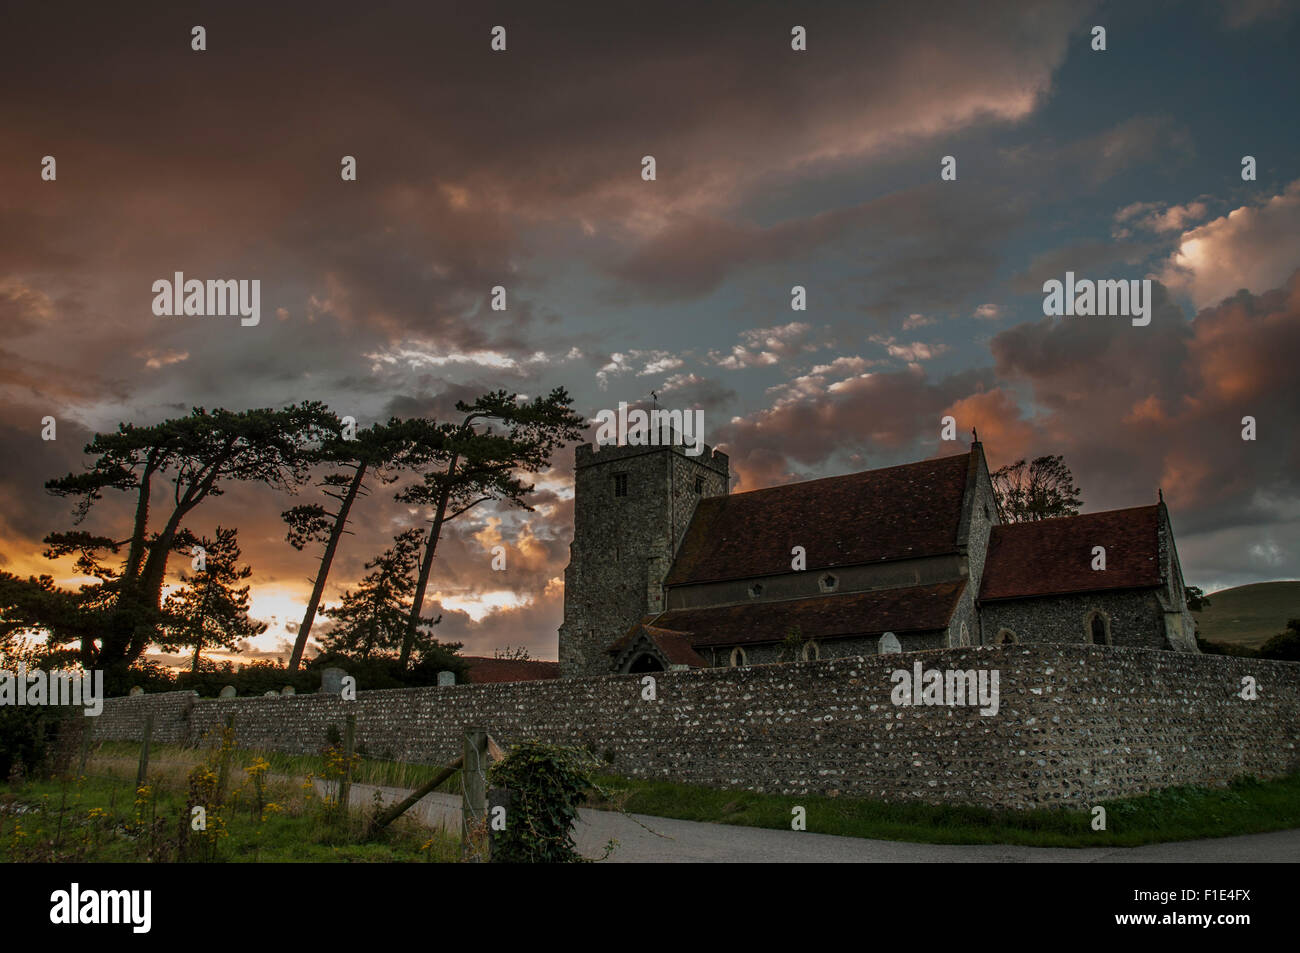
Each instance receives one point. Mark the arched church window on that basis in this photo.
(1097, 628)
(620, 484)
(738, 657)
(1005, 637)
(811, 651)
(963, 638)
(828, 583)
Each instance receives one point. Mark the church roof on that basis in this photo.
(832, 616)
(1054, 557)
(675, 646)
(894, 513)
(508, 670)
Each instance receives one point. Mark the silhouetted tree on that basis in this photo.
(210, 610)
(1197, 600)
(372, 618)
(481, 465)
(198, 455)
(1286, 645)
(520, 654)
(379, 450)
(1040, 490)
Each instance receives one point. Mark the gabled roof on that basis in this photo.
(895, 513)
(508, 670)
(674, 646)
(1054, 557)
(834, 616)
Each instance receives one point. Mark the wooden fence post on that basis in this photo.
(87, 732)
(349, 745)
(227, 748)
(473, 812)
(143, 770)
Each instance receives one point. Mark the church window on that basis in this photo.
(620, 484)
(811, 651)
(1005, 637)
(828, 583)
(738, 657)
(963, 638)
(1097, 628)
(756, 590)
(699, 486)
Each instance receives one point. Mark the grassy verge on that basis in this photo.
(266, 815)
(1246, 806)
(122, 756)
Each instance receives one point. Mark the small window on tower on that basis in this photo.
(699, 486)
(620, 484)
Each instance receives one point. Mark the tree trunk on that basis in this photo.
(318, 590)
(413, 619)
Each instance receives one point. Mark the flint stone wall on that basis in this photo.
(1077, 724)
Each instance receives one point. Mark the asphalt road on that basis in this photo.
(645, 839)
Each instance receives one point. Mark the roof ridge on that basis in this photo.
(842, 476)
(1075, 516)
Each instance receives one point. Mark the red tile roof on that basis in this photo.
(894, 513)
(1054, 556)
(508, 670)
(675, 646)
(837, 616)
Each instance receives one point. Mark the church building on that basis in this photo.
(668, 570)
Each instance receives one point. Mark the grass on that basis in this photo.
(1249, 616)
(1245, 806)
(57, 824)
(393, 774)
(101, 818)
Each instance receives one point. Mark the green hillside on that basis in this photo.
(1249, 615)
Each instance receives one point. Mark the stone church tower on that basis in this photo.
(631, 506)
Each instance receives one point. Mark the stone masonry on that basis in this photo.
(623, 545)
(1077, 724)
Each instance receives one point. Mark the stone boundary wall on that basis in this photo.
(1077, 724)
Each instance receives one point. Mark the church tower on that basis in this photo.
(631, 505)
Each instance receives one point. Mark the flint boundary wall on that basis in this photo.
(1076, 725)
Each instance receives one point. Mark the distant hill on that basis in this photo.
(1249, 615)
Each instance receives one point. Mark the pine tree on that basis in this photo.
(480, 461)
(210, 610)
(373, 618)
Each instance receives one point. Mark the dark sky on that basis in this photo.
(774, 168)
